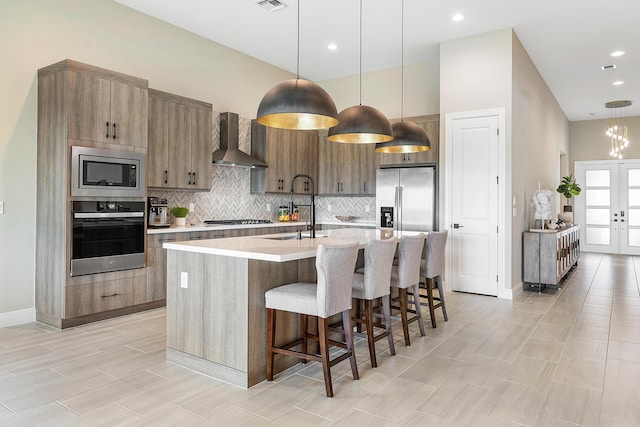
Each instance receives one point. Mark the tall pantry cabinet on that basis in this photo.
(82, 105)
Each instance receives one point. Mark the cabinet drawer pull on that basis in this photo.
(189, 178)
(114, 131)
(109, 296)
(194, 178)
(166, 177)
(107, 129)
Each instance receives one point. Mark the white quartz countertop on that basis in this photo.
(270, 247)
(204, 227)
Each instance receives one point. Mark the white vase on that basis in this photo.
(180, 222)
(566, 217)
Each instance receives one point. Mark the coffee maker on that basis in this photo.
(158, 213)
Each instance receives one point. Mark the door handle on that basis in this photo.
(458, 226)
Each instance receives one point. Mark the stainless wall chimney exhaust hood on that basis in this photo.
(229, 154)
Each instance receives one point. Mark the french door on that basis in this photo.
(608, 209)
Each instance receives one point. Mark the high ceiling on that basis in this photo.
(568, 40)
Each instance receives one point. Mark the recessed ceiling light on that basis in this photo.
(618, 53)
(457, 17)
(618, 83)
(332, 46)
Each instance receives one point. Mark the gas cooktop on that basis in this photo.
(237, 221)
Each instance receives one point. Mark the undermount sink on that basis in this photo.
(290, 236)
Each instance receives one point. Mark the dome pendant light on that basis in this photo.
(408, 137)
(297, 103)
(361, 124)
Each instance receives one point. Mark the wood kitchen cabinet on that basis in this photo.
(346, 168)
(286, 153)
(179, 155)
(78, 105)
(105, 107)
(431, 125)
(157, 255)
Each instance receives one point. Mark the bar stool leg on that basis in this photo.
(303, 326)
(438, 281)
(370, 338)
(386, 309)
(416, 303)
(348, 334)
(323, 333)
(432, 311)
(403, 314)
(271, 334)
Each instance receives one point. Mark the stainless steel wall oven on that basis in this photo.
(107, 236)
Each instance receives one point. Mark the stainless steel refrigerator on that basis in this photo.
(406, 199)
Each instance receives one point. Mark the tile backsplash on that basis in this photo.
(229, 197)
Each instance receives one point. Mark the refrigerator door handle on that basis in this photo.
(398, 223)
(396, 214)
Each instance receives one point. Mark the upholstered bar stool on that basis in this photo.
(371, 284)
(407, 276)
(330, 295)
(431, 268)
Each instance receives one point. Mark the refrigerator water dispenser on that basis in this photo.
(386, 217)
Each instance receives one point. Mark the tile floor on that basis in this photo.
(561, 358)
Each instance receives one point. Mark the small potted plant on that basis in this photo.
(568, 188)
(180, 213)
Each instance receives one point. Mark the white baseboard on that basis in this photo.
(17, 317)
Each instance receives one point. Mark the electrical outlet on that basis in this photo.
(366, 209)
(192, 207)
(184, 279)
(329, 208)
(268, 207)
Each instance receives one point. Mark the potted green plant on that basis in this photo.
(568, 188)
(180, 213)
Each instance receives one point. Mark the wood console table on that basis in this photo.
(549, 255)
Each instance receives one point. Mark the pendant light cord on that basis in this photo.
(360, 52)
(298, 55)
(402, 62)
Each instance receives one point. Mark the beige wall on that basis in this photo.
(587, 140)
(36, 33)
(382, 90)
(540, 136)
(493, 70)
(476, 74)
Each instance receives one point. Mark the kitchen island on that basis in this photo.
(216, 319)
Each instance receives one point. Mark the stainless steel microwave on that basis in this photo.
(97, 172)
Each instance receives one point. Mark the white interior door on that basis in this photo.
(608, 210)
(474, 205)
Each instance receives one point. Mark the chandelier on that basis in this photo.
(617, 130)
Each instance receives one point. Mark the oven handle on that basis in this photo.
(81, 215)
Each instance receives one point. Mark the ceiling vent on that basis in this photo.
(271, 5)
(608, 67)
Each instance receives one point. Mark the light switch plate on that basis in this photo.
(192, 207)
(268, 207)
(184, 279)
(329, 208)
(1, 208)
